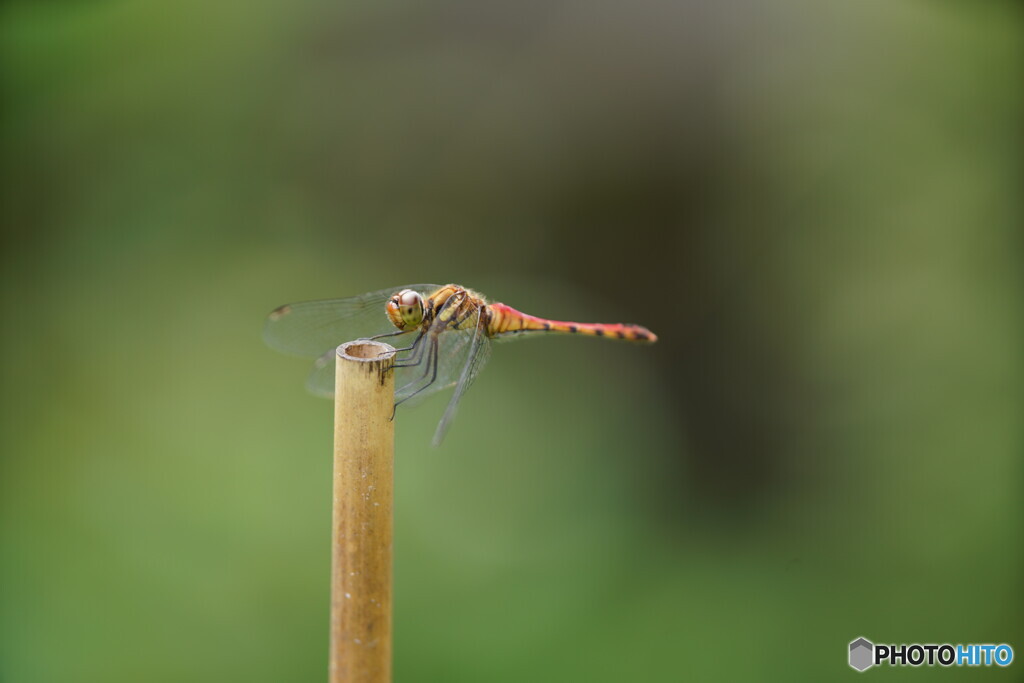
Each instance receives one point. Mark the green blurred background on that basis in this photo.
(816, 205)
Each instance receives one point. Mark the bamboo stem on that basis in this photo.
(361, 565)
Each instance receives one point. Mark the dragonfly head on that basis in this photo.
(405, 309)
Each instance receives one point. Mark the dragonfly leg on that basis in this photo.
(431, 361)
(395, 334)
(431, 367)
(414, 358)
(412, 347)
(442, 319)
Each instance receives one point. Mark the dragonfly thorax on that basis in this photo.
(405, 309)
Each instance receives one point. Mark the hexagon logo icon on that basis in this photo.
(862, 654)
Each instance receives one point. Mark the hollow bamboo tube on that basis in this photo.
(364, 438)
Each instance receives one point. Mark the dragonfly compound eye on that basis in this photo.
(405, 309)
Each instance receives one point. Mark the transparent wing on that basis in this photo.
(311, 328)
(413, 384)
(478, 351)
(415, 381)
(321, 380)
(443, 358)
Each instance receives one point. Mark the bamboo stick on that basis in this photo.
(361, 565)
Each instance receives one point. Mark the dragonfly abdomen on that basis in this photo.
(506, 321)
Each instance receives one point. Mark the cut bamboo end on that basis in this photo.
(361, 562)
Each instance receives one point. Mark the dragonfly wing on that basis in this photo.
(311, 328)
(321, 380)
(412, 383)
(459, 357)
(428, 370)
(477, 354)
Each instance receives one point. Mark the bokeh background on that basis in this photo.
(816, 205)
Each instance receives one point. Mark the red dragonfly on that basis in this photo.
(451, 328)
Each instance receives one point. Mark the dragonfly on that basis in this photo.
(449, 328)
